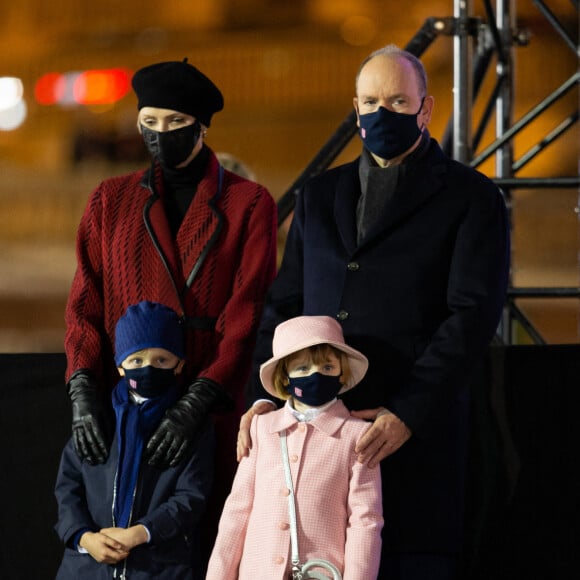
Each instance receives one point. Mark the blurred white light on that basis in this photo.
(10, 92)
(13, 117)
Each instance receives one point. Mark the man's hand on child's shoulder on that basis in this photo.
(244, 443)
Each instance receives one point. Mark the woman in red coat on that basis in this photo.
(188, 234)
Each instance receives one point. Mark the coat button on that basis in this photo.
(286, 492)
(294, 458)
(342, 315)
(302, 428)
(279, 560)
(283, 526)
(352, 266)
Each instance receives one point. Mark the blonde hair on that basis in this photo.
(318, 354)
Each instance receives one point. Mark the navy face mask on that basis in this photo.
(315, 389)
(389, 134)
(171, 148)
(150, 381)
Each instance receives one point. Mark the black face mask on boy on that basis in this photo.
(150, 381)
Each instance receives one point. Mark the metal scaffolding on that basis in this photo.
(495, 38)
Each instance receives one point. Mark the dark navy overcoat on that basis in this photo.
(421, 297)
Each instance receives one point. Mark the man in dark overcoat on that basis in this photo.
(409, 250)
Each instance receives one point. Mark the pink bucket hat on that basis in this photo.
(303, 331)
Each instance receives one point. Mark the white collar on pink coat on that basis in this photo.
(310, 413)
(328, 422)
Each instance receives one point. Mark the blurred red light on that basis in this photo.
(49, 88)
(96, 87)
(91, 87)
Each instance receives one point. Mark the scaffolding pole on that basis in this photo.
(462, 83)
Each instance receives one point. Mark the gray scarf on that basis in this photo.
(379, 184)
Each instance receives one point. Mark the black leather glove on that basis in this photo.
(87, 418)
(177, 431)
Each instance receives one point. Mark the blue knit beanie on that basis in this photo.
(148, 325)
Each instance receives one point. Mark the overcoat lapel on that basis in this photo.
(345, 202)
(197, 232)
(157, 226)
(202, 222)
(413, 193)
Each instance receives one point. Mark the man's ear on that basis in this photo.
(426, 111)
(179, 366)
(121, 371)
(355, 105)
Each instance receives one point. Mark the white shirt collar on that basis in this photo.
(137, 399)
(309, 414)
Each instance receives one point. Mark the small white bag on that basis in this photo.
(302, 571)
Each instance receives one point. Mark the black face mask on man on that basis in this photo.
(171, 148)
(388, 134)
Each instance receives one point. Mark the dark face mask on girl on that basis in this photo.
(171, 148)
(150, 381)
(388, 134)
(315, 389)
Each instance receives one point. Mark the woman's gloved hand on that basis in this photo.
(177, 431)
(87, 418)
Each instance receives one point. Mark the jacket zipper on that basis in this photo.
(123, 575)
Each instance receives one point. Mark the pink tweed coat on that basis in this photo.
(338, 501)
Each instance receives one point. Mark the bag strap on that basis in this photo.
(299, 570)
(291, 503)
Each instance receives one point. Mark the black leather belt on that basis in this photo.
(200, 322)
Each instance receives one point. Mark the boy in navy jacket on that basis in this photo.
(125, 518)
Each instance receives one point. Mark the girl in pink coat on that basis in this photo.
(338, 499)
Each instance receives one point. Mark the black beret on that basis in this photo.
(178, 86)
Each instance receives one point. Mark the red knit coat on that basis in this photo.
(126, 254)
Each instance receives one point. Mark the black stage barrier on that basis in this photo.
(34, 426)
(523, 508)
